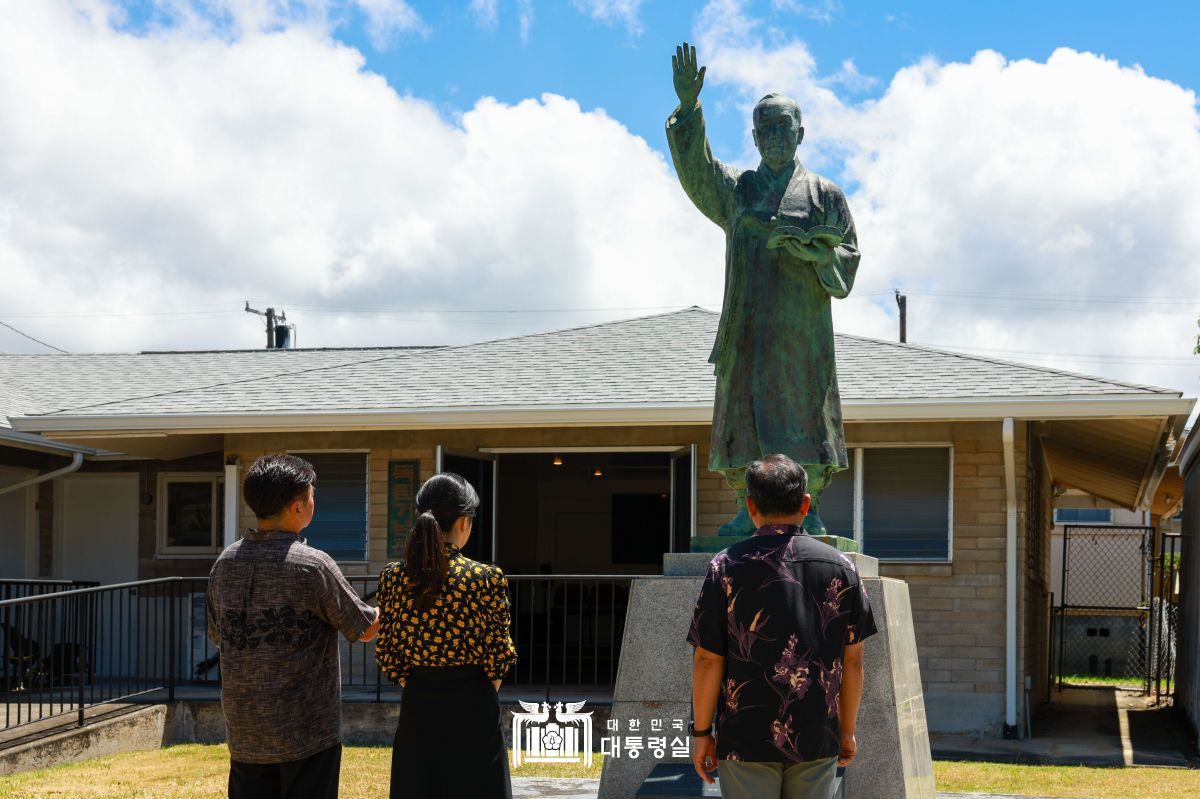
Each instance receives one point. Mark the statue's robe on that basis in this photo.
(777, 385)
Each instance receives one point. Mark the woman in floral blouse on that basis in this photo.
(444, 635)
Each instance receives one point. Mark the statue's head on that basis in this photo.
(777, 129)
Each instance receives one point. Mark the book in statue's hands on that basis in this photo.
(818, 234)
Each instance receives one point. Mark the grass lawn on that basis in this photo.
(1075, 781)
(199, 772)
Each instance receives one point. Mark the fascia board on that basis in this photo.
(32, 441)
(1108, 406)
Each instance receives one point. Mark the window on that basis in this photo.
(339, 526)
(895, 501)
(1083, 516)
(191, 517)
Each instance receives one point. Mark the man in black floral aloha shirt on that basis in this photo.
(778, 632)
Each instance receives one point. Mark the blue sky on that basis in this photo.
(605, 65)
(397, 172)
(623, 66)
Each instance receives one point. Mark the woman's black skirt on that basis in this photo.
(450, 740)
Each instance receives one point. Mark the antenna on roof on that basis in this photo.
(902, 304)
(279, 332)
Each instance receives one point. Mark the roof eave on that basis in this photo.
(1172, 427)
(37, 443)
(1191, 451)
(600, 414)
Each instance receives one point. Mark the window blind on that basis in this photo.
(906, 503)
(339, 525)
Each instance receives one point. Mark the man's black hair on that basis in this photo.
(275, 481)
(777, 484)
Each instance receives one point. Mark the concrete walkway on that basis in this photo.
(1088, 727)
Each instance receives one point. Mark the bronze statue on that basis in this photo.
(790, 246)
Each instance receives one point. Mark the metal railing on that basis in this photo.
(14, 589)
(67, 649)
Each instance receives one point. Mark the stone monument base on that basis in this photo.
(654, 685)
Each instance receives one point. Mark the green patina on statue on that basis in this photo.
(790, 246)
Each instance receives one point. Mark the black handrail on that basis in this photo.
(69, 650)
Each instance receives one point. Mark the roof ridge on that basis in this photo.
(1017, 364)
(577, 328)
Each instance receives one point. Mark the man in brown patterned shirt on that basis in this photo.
(275, 608)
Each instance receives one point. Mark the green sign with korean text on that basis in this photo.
(402, 493)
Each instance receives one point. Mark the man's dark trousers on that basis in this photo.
(314, 777)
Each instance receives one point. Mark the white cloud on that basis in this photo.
(1003, 195)
(388, 18)
(385, 19)
(485, 12)
(143, 173)
(525, 18)
(823, 11)
(624, 12)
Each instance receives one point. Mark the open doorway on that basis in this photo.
(585, 512)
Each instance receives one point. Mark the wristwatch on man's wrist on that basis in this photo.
(695, 733)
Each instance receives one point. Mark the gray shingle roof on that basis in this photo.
(12, 403)
(646, 361)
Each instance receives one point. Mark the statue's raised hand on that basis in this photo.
(688, 79)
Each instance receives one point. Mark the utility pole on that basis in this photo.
(902, 304)
(272, 322)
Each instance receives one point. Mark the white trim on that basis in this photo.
(671, 448)
(671, 517)
(233, 503)
(607, 414)
(495, 510)
(950, 512)
(898, 444)
(162, 549)
(695, 491)
(857, 500)
(333, 450)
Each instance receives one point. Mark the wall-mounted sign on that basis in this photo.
(402, 493)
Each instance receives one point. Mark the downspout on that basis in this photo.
(76, 462)
(1010, 593)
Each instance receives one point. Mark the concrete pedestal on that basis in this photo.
(893, 759)
(654, 683)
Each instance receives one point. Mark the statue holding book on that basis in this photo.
(790, 247)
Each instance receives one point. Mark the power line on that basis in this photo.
(31, 338)
(1159, 360)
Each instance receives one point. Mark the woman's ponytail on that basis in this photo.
(443, 499)
(425, 558)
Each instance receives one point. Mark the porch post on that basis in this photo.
(233, 497)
